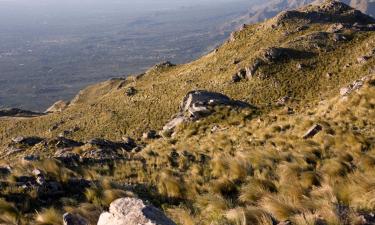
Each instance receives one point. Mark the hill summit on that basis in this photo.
(276, 126)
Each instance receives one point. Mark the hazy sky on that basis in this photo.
(15, 13)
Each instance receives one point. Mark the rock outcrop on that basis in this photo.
(199, 104)
(356, 85)
(329, 11)
(132, 211)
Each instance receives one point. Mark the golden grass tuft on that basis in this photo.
(170, 186)
(9, 214)
(49, 216)
(280, 208)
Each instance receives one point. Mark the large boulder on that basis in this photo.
(199, 104)
(132, 211)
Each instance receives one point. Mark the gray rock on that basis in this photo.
(163, 65)
(337, 27)
(29, 141)
(314, 130)
(100, 155)
(236, 78)
(106, 144)
(132, 211)
(283, 101)
(363, 59)
(129, 143)
(356, 85)
(251, 70)
(31, 158)
(131, 91)
(74, 219)
(174, 123)
(62, 142)
(67, 157)
(152, 134)
(199, 104)
(340, 37)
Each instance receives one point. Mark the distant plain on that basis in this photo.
(50, 54)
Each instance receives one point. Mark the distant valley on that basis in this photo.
(45, 61)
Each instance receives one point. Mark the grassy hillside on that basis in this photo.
(237, 166)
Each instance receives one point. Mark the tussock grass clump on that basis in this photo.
(48, 216)
(9, 214)
(249, 215)
(280, 208)
(170, 186)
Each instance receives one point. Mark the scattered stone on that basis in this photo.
(107, 144)
(283, 101)
(164, 65)
(356, 85)
(314, 130)
(236, 61)
(251, 70)
(31, 158)
(58, 106)
(235, 78)
(62, 142)
(67, 157)
(302, 28)
(131, 91)
(300, 66)
(174, 123)
(74, 219)
(132, 211)
(37, 172)
(29, 141)
(129, 143)
(340, 37)
(337, 27)
(273, 54)
(329, 75)
(363, 59)
(232, 37)
(347, 66)
(150, 135)
(100, 155)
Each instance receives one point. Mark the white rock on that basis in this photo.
(132, 211)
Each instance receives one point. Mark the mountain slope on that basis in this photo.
(104, 110)
(303, 155)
